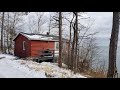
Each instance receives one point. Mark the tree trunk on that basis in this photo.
(76, 42)
(69, 48)
(7, 32)
(8, 43)
(73, 56)
(60, 40)
(4, 41)
(112, 69)
(50, 24)
(2, 26)
(73, 52)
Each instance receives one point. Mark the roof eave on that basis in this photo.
(42, 40)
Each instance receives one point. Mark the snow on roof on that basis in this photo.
(40, 37)
(44, 37)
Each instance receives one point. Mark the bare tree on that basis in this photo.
(7, 32)
(70, 38)
(60, 40)
(76, 47)
(87, 53)
(57, 23)
(112, 69)
(2, 26)
(74, 50)
(50, 24)
(36, 23)
(12, 20)
(40, 20)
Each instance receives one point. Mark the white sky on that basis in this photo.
(102, 23)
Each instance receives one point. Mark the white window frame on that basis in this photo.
(23, 45)
(56, 45)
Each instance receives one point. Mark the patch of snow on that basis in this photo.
(38, 37)
(8, 56)
(11, 68)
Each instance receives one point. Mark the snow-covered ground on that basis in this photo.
(10, 67)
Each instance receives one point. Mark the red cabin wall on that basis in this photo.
(37, 46)
(18, 48)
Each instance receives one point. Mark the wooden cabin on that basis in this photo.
(30, 45)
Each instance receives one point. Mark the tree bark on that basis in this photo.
(4, 41)
(73, 56)
(60, 40)
(8, 42)
(50, 24)
(73, 52)
(76, 42)
(112, 69)
(69, 48)
(2, 26)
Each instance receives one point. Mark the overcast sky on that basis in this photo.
(102, 23)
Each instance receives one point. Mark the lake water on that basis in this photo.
(104, 56)
(103, 50)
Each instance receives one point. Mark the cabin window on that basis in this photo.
(23, 45)
(56, 45)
